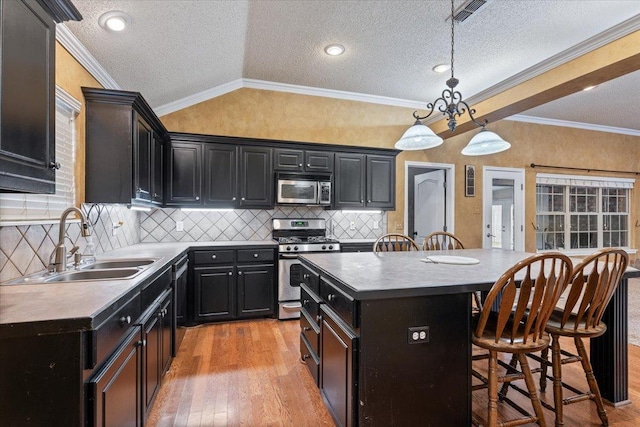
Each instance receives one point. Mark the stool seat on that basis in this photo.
(577, 327)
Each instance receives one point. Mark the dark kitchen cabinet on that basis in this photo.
(124, 139)
(27, 93)
(364, 181)
(357, 247)
(303, 160)
(255, 290)
(184, 171)
(221, 175)
(256, 177)
(214, 294)
(114, 393)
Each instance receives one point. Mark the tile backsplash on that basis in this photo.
(25, 249)
(247, 224)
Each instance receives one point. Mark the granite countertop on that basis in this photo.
(368, 275)
(68, 306)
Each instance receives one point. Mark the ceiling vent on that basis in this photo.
(467, 9)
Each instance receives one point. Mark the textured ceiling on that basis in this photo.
(176, 48)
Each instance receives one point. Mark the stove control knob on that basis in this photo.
(330, 247)
(288, 248)
(324, 247)
(295, 248)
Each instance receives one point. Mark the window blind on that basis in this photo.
(17, 206)
(584, 181)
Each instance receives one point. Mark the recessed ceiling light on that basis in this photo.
(441, 68)
(115, 20)
(334, 49)
(590, 87)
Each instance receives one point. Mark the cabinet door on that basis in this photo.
(381, 174)
(336, 363)
(256, 177)
(157, 169)
(255, 290)
(214, 293)
(152, 341)
(166, 318)
(318, 161)
(142, 159)
(183, 182)
(349, 181)
(27, 92)
(288, 160)
(115, 390)
(221, 176)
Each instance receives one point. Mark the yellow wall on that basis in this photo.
(71, 76)
(285, 116)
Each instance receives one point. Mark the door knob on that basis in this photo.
(490, 235)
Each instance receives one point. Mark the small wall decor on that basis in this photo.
(469, 180)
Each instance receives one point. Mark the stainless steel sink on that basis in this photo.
(118, 263)
(111, 274)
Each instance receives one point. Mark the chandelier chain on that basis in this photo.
(452, 39)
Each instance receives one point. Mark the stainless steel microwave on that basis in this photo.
(301, 191)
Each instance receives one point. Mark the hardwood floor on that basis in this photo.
(249, 374)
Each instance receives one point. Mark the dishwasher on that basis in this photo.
(180, 270)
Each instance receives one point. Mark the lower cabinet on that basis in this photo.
(114, 393)
(233, 284)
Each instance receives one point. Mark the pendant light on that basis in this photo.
(451, 104)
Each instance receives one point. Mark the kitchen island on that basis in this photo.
(374, 369)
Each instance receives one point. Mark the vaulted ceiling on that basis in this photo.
(175, 49)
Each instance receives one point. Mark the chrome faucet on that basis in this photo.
(60, 262)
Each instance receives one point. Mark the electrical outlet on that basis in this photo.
(418, 335)
(114, 228)
(179, 225)
(352, 225)
(398, 225)
(376, 225)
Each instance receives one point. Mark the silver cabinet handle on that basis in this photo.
(243, 198)
(361, 201)
(305, 302)
(304, 358)
(305, 276)
(233, 198)
(125, 320)
(197, 197)
(318, 318)
(368, 201)
(331, 297)
(308, 165)
(300, 165)
(231, 273)
(214, 256)
(239, 273)
(54, 165)
(306, 328)
(255, 255)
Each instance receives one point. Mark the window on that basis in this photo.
(576, 212)
(33, 207)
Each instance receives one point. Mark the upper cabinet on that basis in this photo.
(124, 149)
(293, 160)
(364, 181)
(27, 93)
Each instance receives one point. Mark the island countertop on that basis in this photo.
(371, 275)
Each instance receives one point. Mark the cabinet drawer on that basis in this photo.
(345, 306)
(310, 303)
(310, 331)
(309, 358)
(251, 255)
(224, 256)
(310, 278)
(108, 335)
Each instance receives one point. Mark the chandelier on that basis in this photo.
(451, 104)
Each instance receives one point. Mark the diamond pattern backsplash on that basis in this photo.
(25, 249)
(245, 224)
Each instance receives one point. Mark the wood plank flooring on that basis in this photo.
(249, 374)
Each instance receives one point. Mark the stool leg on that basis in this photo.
(505, 386)
(544, 366)
(493, 389)
(593, 384)
(556, 368)
(531, 387)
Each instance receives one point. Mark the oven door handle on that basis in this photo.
(287, 256)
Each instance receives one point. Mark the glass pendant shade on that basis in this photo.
(418, 137)
(485, 142)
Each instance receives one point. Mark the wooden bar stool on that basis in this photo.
(394, 242)
(592, 285)
(441, 240)
(528, 293)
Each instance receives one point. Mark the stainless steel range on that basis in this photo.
(296, 236)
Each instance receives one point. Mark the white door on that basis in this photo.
(429, 204)
(503, 208)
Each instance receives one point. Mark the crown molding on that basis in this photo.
(197, 98)
(570, 124)
(71, 43)
(63, 98)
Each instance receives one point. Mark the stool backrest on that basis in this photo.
(593, 283)
(394, 242)
(441, 240)
(528, 292)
